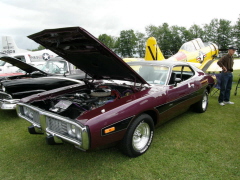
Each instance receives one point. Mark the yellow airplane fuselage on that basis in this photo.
(194, 51)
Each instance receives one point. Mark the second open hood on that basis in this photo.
(82, 49)
(21, 65)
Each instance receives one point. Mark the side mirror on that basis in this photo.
(64, 74)
(177, 80)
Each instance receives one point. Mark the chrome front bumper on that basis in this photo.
(8, 104)
(54, 125)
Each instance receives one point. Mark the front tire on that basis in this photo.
(138, 137)
(202, 105)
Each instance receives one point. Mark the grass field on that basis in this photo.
(191, 146)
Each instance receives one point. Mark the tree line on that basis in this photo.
(170, 38)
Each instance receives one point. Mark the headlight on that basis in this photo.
(74, 131)
(28, 112)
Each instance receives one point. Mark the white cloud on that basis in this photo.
(20, 18)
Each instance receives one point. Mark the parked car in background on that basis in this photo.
(34, 58)
(122, 104)
(55, 73)
(22, 69)
(58, 65)
(7, 69)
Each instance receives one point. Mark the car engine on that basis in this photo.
(74, 104)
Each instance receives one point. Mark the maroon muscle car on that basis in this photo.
(121, 104)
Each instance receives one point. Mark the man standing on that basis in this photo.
(226, 63)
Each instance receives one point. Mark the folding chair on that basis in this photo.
(217, 86)
(235, 93)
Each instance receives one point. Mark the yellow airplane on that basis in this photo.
(202, 55)
(195, 51)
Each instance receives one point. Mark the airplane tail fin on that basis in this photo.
(9, 46)
(153, 52)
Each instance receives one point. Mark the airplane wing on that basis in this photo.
(213, 66)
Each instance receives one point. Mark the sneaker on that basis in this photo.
(228, 102)
(221, 104)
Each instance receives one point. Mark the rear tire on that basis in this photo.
(202, 105)
(138, 137)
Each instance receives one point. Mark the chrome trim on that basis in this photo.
(8, 104)
(4, 95)
(43, 125)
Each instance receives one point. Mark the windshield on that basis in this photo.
(152, 74)
(55, 67)
(2, 63)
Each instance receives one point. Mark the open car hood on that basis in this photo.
(86, 52)
(21, 65)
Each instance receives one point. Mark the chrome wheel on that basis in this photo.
(205, 101)
(202, 105)
(141, 136)
(138, 137)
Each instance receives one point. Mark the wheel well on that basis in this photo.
(208, 89)
(153, 115)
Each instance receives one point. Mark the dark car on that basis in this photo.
(55, 73)
(122, 104)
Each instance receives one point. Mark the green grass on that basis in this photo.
(191, 146)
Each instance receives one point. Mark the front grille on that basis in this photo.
(56, 125)
(4, 95)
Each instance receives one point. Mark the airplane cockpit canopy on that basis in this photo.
(193, 45)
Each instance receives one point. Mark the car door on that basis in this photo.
(179, 93)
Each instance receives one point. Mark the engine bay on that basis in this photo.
(75, 103)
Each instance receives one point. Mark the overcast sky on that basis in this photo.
(20, 18)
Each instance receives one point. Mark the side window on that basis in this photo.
(182, 72)
(21, 58)
(176, 73)
(187, 73)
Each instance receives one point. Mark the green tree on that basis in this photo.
(220, 32)
(162, 35)
(109, 41)
(224, 34)
(236, 33)
(176, 39)
(185, 34)
(196, 32)
(140, 47)
(40, 47)
(126, 43)
(152, 31)
(210, 30)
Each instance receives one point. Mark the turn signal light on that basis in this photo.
(108, 130)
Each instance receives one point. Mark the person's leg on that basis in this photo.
(224, 79)
(228, 87)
